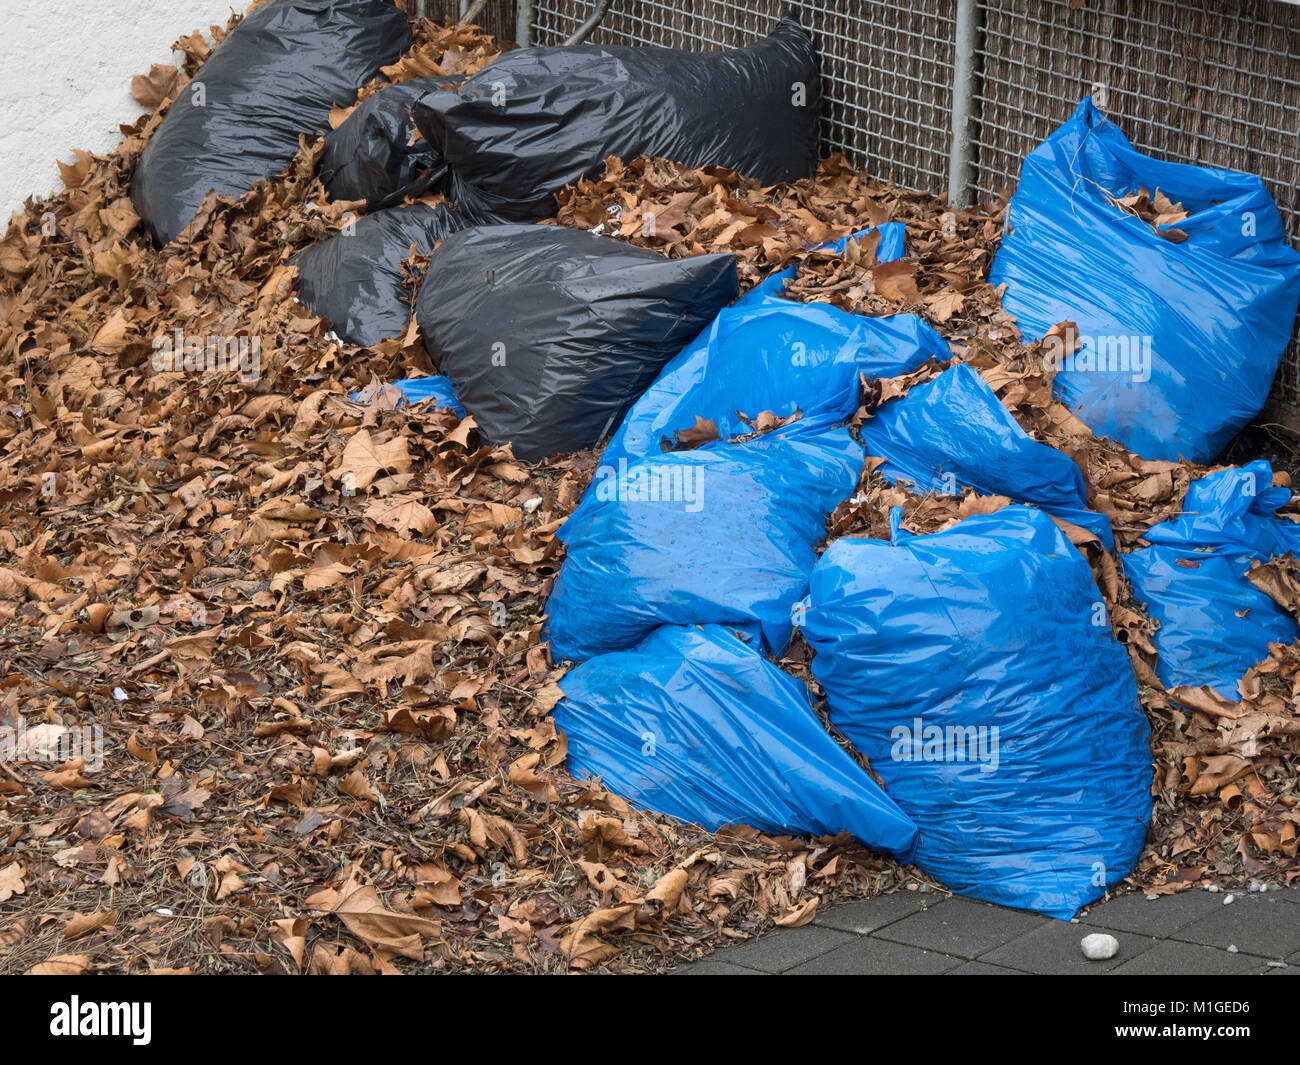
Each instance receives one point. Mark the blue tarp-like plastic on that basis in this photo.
(767, 353)
(435, 387)
(1215, 624)
(696, 724)
(953, 432)
(720, 534)
(1212, 314)
(976, 670)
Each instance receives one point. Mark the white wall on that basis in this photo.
(65, 78)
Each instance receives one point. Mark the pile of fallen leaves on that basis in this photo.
(310, 629)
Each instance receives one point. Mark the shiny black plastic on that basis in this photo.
(371, 156)
(549, 334)
(538, 119)
(275, 76)
(355, 278)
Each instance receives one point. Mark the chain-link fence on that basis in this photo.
(1215, 82)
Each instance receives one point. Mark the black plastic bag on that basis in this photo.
(549, 334)
(538, 119)
(355, 278)
(371, 157)
(275, 76)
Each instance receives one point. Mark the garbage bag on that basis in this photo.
(767, 353)
(976, 670)
(435, 388)
(1180, 340)
(276, 75)
(372, 156)
(953, 432)
(538, 119)
(696, 724)
(725, 534)
(355, 277)
(1214, 623)
(549, 334)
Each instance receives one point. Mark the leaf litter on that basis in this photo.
(310, 629)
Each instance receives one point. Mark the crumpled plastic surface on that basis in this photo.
(355, 278)
(767, 353)
(371, 157)
(549, 334)
(953, 432)
(1214, 623)
(434, 387)
(538, 119)
(696, 724)
(994, 623)
(277, 74)
(734, 540)
(1214, 312)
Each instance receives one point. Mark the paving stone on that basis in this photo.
(784, 948)
(979, 968)
(1054, 948)
(1170, 957)
(1262, 924)
(709, 967)
(1158, 917)
(962, 928)
(869, 956)
(864, 917)
(891, 934)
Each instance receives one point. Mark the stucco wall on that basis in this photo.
(65, 78)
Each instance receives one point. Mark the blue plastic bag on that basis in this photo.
(720, 534)
(696, 724)
(435, 387)
(976, 670)
(953, 432)
(767, 353)
(1193, 330)
(1215, 624)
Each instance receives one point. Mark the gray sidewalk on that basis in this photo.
(916, 932)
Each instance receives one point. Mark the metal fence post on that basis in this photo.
(965, 72)
(524, 24)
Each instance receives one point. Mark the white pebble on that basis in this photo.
(1232, 948)
(530, 505)
(1228, 900)
(1099, 946)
